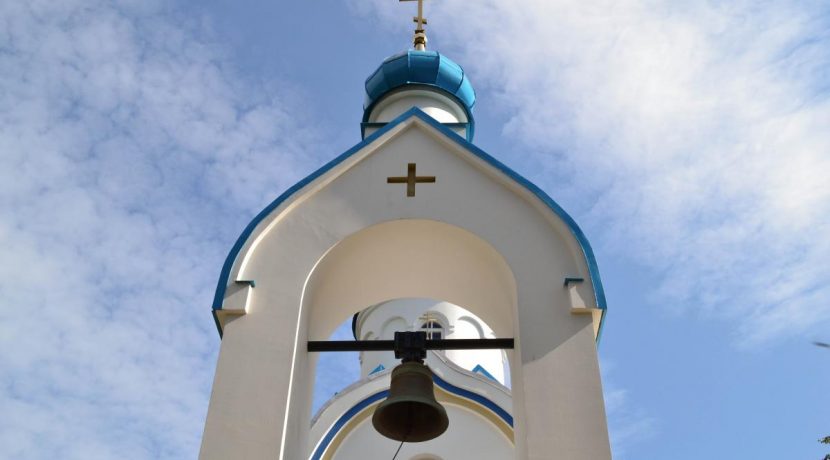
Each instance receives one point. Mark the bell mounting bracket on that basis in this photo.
(410, 346)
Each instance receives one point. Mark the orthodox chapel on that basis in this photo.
(472, 295)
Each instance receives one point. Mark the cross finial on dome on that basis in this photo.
(420, 37)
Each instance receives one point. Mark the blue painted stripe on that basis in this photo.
(341, 422)
(357, 408)
(590, 259)
(495, 408)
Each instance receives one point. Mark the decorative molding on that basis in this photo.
(596, 316)
(572, 280)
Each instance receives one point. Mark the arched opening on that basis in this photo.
(404, 259)
(439, 320)
(409, 258)
(393, 325)
(433, 329)
(336, 373)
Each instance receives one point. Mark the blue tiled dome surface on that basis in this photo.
(420, 68)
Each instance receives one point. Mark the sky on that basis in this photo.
(689, 140)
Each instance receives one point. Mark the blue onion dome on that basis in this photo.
(419, 68)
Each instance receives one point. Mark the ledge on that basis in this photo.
(596, 316)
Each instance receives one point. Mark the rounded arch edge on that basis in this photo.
(556, 209)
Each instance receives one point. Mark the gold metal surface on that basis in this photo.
(420, 37)
(411, 178)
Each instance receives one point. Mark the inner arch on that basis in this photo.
(413, 258)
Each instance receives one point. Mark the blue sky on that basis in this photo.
(689, 140)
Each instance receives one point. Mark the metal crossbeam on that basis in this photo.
(389, 345)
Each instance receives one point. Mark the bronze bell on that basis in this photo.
(410, 413)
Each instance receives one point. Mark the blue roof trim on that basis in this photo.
(479, 369)
(590, 259)
(357, 408)
(469, 127)
(249, 229)
(378, 369)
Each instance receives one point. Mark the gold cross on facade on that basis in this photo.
(410, 179)
(420, 38)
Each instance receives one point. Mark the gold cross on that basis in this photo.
(420, 21)
(410, 179)
(427, 317)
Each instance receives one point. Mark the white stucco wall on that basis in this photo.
(349, 240)
(471, 438)
(435, 104)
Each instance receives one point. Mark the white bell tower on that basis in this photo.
(412, 229)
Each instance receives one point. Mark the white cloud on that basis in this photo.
(129, 147)
(693, 136)
(628, 423)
